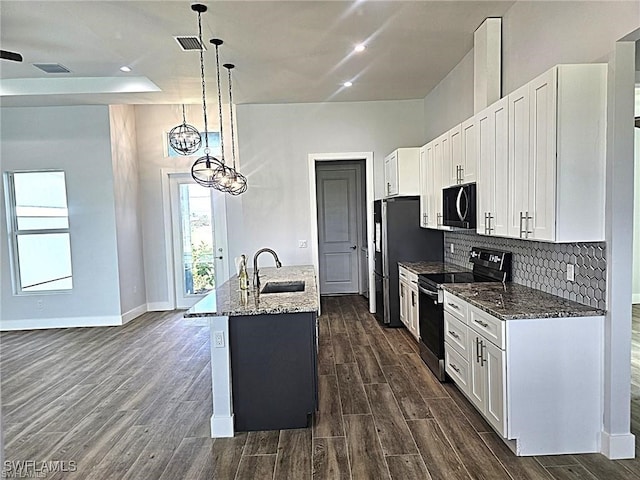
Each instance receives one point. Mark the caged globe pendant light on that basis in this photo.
(206, 169)
(184, 138)
(238, 183)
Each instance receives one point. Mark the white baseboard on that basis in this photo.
(70, 322)
(134, 313)
(617, 447)
(222, 426)
(159, 306)
(635, 298)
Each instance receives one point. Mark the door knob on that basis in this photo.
(354, 247)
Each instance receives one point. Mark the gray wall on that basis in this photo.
(124, 153)
(76, 140)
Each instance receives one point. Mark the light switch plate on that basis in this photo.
(218, 339)
(302, 244)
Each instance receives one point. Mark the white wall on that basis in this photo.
(538, 35)
(535, 37)
(636, 222)
(124, 154)
(275, 141)
(451, 101)
(76, 140)
(152, 124)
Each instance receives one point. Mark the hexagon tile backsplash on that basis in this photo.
(543, 266)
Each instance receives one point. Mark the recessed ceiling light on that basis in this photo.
(125, 69)
(347, 84)
(359, 48)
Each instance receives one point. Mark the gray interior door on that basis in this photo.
(338, 228)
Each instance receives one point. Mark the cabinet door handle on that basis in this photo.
(454, 334)
(481, 323)
(461, 173)
(483, 349)
(413, 299)
(522, 232)
(453, 305)
(388, 188)
(485, 223)
(527, 231)
(477, 350)
(454, 367)
(489, 218)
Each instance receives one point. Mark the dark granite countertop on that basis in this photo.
(230, 300)
(432, 267)
(511, 301)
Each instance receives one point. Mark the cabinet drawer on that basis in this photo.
(487, 325)
(455, 306)
(457, 368)
(455, 334)
(408, 276)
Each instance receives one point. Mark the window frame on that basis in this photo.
(14, 232)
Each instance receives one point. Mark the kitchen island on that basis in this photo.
(263, 352)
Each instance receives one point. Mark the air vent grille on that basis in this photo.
(189, 43)
(52, 67)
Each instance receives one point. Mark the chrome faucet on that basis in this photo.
(256, 277)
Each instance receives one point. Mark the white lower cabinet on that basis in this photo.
(536, 381)
(408, 283)
(487, 386)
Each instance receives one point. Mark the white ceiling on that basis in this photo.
(284, 51)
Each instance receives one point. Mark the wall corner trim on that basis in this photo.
(222, 426)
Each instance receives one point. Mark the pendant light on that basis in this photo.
(223, 174)
(206, 170)
(238, 184)
(184, 138)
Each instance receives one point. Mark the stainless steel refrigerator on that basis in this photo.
(399, 237)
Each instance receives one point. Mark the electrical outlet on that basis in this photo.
(218, 339)
(302, 244)
(571, 272)
(451, 247)
(39, 304)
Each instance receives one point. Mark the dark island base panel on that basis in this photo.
(273, 368)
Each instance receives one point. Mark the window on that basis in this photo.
(38, 222)
(214, 146)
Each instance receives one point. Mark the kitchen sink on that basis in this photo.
(283, 287)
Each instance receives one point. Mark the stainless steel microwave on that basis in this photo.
(459, 206)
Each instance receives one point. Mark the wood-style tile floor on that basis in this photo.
(134, 402)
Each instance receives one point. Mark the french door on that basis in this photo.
(199, 239)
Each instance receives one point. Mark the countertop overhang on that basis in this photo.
(229, 300)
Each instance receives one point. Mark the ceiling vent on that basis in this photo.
(52, 67)
(189, 43)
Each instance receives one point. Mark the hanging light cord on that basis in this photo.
(220, 104)
(184, 118)
(233, 141)
(204, 96)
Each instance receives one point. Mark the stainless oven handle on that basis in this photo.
(428, 292)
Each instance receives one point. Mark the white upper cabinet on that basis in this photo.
(468, 165)
(493, 169)
(557, 155)
(425, 180)
(455, 160)
(402, 172)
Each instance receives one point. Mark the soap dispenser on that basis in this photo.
(243, 276)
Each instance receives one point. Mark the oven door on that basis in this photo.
(432, 330)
